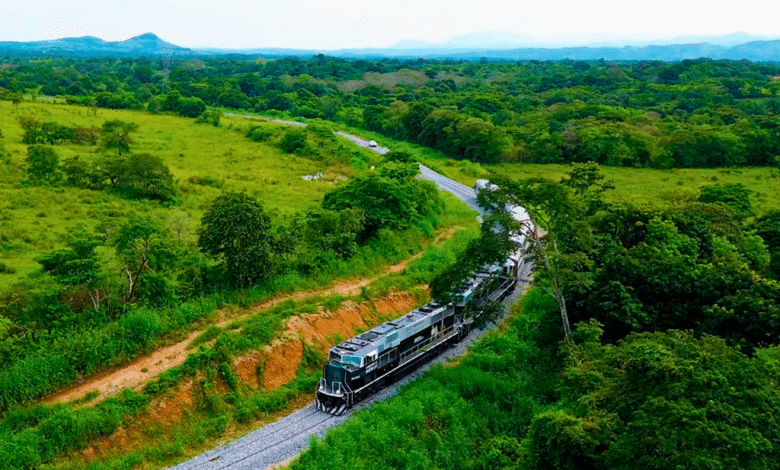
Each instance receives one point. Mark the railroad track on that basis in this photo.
(284, 439)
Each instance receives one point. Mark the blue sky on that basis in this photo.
(338, 24)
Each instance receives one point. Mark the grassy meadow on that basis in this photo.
(632, 185)
(204, 160)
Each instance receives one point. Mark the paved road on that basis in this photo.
(362, 142)
(284, 439)
(461, 191)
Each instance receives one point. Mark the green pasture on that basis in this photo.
(652, 186)
(632, 185)
(204, 160)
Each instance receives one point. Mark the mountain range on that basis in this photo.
(494, 46)
(144, 45)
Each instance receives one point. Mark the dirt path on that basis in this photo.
(144, 368)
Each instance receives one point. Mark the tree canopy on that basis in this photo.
(236, 232)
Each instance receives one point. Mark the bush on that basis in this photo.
(5, 269)
(294, 141)
(42, 164)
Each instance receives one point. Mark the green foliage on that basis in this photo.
(734, 196)
(493, 245)
(294, 141)
(86, 135)
(82, 174)
(702, 113)
(78, 263)
(658, 400)
(236, 232)
(146, 174)
(116, 135)
(320, 234)
(389, 198)
(42, 164)
(146, 253)
(212, 117)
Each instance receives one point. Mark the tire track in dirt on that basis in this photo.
(142, 369)
(281, 361)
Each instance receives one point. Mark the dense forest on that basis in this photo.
(672, 361)
(648, 341)
(694, 113)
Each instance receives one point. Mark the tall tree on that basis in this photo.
(77, 264)
(236, 232)
(116, 135)
(142, 247)
(148, 174)
(42, 164)
(560, 253)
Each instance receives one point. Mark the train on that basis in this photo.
(365, 364)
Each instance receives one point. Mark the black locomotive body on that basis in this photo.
(368, 362)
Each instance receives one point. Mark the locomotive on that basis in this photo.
(363, 365)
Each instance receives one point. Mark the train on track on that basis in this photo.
(363, 365)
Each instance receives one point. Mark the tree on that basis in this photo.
(192, 107)
(82, 174)
(32, 130)
(384, 201)
(53, 133)
(734, 196)
(17, 99)
(212, 117)
(42, 163)
(116, 135)
(148, 174)
(494, 244)
(321, 235)
(236, 232)
(658, 401)
(294, 141)
(143, 248)
(562, 253)
(86, 135)
(77, 264)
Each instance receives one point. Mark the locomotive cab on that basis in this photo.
(333, 390)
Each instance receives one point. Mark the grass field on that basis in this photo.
(632, 185)
(651, 186)
(203, 159)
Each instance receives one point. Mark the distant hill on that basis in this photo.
(765, 51)
(144, 45)
(498, 40)
(494, 46)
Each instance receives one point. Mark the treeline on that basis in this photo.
(671, 361)
(694, 113)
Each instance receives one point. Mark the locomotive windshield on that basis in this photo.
(334, 357)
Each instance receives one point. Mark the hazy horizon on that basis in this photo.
(352, 24)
